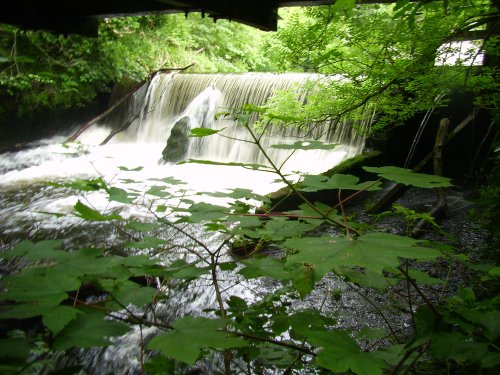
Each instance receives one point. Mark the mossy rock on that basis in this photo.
(285, 200)
(178, 141)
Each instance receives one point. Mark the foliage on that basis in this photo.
(382, 56)
(59, 296)
(41, 70)
(83, 297)
(410, 217)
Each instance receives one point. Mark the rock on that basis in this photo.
(178, 141)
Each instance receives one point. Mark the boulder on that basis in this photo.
(178, 141)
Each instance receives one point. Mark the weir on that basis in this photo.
(200, 97)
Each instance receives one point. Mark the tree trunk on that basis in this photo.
(398, 189)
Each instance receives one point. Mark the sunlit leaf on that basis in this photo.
(136, 169)
(169, 180)
(120, 195)
(230, 164)
(305, 145)
(343, 4)
(253, 108)
(87, 213)
(158, 191)
(83, 185)
(237, 193)
(204, 132)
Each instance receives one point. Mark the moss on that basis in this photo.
(283, 199)
(355, 164)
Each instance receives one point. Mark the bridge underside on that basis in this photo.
(81, 17)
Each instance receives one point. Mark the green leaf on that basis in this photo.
(253, 108)
(231, 164)
(191, 335)
(408, 177)
(301, 275)
(304, 321)
(202, 211)
(129, 292)
(47, 249)
(237, 194)
(337, 181)
(363, 277)
(146, 243)
(272, 355)
(204, 132)
(87, 213)
(120, 195)
(83, 185)
(41, 285)
(278, 229)
(58, 317)
(142, 227)
(228, 266)
(305, 145)
(15, 347)
(264, 266)
(457, 346)
(343, 4)
(26, 310)
(180, 269)
(373, 251)
(158, 191)
(169, 180)
(424, 278)
(340, 352)
(491, 359)
(136, 169)
(90, 328)
(371, 333)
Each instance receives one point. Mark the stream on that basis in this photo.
(37, 199)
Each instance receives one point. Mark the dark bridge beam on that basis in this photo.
(81, 16)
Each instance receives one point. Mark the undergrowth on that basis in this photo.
(65, 297)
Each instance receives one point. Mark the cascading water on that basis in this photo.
(36, 204)
(201, 96)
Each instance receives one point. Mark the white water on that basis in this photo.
(26, 199)
(131, 161)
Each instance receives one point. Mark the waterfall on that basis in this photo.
(200, 97)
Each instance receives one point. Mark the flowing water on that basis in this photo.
(35, 202)
(26, 199)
